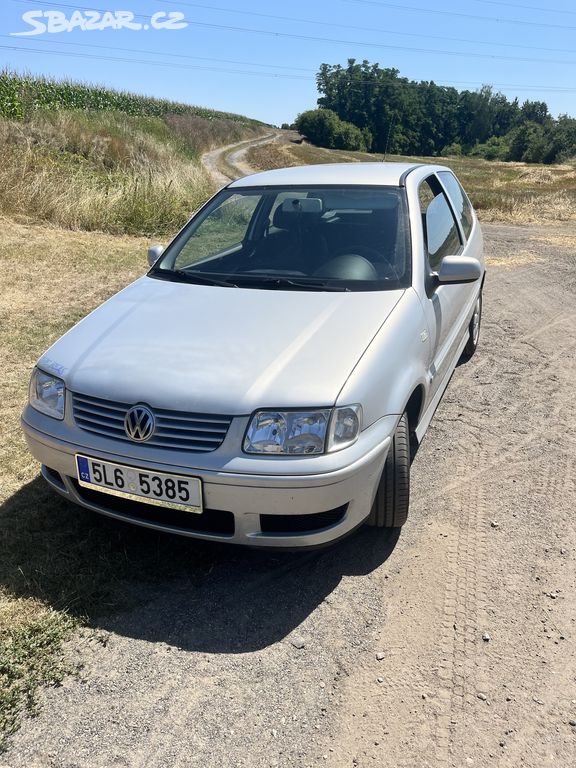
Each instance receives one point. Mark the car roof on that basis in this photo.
(386, 174)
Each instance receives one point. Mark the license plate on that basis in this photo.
(158, 488)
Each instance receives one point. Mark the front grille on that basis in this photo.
(210, 521)
(195, 432)
(290, 524)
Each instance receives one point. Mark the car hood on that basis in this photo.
(219, 350)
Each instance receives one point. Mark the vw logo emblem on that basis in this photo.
(139, 423)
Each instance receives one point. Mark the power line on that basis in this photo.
(381, 46)
(323, 24)
(365, 29)
(496, 19)
(527, 7)
(163, 53)
(531, 87)
(17, 48)
(148, 61)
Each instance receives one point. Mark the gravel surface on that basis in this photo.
(452, 644)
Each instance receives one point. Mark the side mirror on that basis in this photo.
(154, 253)
(459, 269)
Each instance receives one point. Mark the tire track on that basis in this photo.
(466, 600)
(540, 744)
(225, 164)
(460, 510)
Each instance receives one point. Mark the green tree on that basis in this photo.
(562, 140)
(535, 112)
(400, 116)
(529, 143)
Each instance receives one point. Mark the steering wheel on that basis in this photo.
(348, 266)
(374, 256)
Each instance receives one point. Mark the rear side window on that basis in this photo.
(460, 201)
(440, 228)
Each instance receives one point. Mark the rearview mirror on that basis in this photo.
(459, 269)
(154, 253)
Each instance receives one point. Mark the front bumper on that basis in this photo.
(271, 509)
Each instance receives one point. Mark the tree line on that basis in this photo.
(365, 107)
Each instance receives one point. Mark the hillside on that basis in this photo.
(90, 158)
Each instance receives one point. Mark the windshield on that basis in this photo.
(295, 238)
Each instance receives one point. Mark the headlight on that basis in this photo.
(302, 433)
(47, 393)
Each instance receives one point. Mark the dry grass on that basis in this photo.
(513, 193)
(39, 301)
(100, 171)
(519, 259)
(51, 278)
(270, 156)
(553, 238)
(29, 657)
(518, 208)
(205, 134)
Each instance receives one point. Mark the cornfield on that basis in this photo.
(22, 95)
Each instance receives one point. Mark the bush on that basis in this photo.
(452, 150)
(496, 148)
(324, 128)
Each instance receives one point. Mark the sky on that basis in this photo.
(260, 59)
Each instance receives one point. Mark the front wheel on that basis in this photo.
(390, 508)
(474, 329)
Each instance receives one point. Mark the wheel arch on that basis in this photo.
(413, 410)
(413, 407)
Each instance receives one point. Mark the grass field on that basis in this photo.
(515, 193)
(109, 172)
(81, 197)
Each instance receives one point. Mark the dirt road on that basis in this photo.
(227, 163)
(453, 644)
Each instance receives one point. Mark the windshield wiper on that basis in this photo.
(249, 281)
(192, 277)
(288, 282)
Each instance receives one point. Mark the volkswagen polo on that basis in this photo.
(267, 380)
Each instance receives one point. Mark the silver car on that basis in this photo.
(267, 381)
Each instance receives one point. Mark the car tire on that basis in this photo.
(390, 507)
(474, 329)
